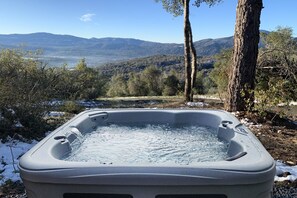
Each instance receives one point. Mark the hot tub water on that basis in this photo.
(149, 145)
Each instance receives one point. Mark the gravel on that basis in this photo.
(284, 192)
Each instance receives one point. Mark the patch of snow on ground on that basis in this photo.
(248, 123)
(196, 104)
(292, 103)
(55, 114)
(281, 169)
(9, 167)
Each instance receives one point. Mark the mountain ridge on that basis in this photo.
(59, 49)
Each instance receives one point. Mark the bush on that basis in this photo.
(72, 107)
(171, 85)
(277, 70)
(221, 72)
(136, 86)
(24, 86)
(117, 86)
(152, 76)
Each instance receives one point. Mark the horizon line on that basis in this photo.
(89, 38)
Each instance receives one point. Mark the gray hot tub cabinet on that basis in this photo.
(248, 172)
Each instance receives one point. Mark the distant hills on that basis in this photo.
(163, 62)
(60, 49)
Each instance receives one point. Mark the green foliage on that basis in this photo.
(82, 65)
(221, 72)
(88, 83)
(152, 78)
(26, 84)
(171, 85)
(281, 39)
(197, 3)
(249, 97)
(199, 88)
(166, 62)
(277, 69)
(136, 86)
(204, 84)
(151, 81)
(175, 7)
(79, 83)
(280, 54)
(72, 107)
(209, 85)
(117, 86)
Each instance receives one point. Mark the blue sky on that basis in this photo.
(140, 19)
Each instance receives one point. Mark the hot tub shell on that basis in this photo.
(248, 172)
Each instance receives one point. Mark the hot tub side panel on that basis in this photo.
(43, 190)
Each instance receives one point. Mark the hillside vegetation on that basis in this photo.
(163, 62)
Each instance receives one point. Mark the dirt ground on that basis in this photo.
(277, 134)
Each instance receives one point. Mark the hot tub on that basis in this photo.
(245, 169)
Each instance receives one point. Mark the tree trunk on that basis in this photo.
(189, 55)
(193, 62)
(246, 39)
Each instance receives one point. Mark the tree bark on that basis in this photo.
(189, 55)
(246, 39)
(193, 62)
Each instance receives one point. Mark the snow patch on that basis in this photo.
(196, 104)
(248, 123)
(292, 103)
(55, 114)
(281, 169)
(10, 153)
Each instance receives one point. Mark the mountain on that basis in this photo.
(60, 49)
(208, 47)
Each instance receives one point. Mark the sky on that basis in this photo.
(140, 19)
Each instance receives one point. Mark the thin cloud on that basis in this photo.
(87, 17)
